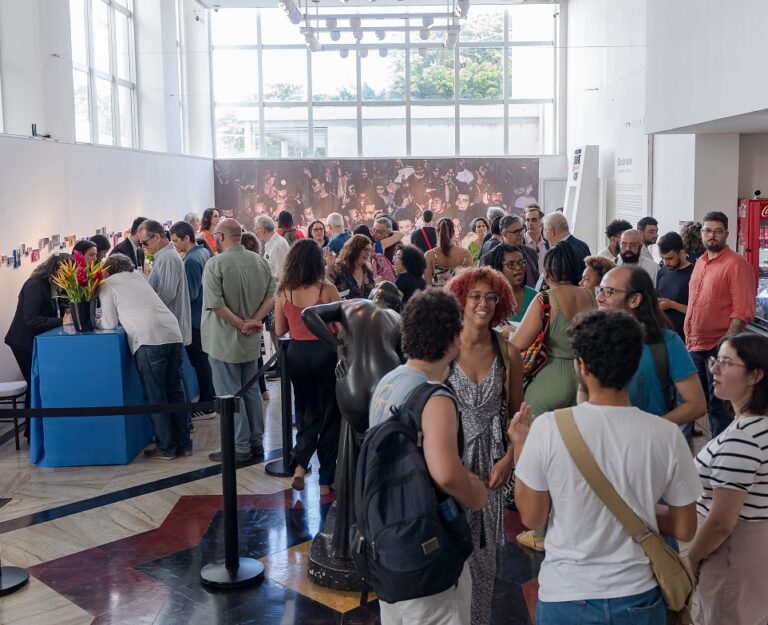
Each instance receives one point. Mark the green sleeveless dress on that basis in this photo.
(556, 384)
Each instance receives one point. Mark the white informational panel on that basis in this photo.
(582, 195)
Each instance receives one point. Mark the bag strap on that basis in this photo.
(499, 346)
(595, 478)
(661, 364)
(546, 312)
(426, 239)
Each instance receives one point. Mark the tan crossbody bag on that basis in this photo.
(676, 582)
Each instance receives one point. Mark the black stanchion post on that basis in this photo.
(282, 466)
(235, 571)
(12, 578)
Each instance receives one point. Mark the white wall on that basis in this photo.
(717, 176)
(196, 83)
(49, 188)
(753, 165)
(705, 60)
(674, 161)
(606, 96)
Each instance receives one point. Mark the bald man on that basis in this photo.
(556, 230)
(238, 292)
(630, 253)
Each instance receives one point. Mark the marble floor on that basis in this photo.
(125, 544)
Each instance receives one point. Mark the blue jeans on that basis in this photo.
(647, 608)
(228, 379)
(160, 370)
(719, 419)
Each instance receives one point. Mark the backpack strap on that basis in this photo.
(661, 364)
(595, 478)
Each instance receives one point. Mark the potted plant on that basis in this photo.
(79, 281)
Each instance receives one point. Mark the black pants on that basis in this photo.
(199, 360)
(24, 360)
(310, 366)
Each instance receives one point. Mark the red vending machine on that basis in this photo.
(752, 242)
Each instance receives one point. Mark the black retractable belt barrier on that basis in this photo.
(282, 466)
(235, 571)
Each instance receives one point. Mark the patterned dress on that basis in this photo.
(484, 419)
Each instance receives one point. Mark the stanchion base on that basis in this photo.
(217, 576)
(11, 579)
(278, 468)
(324, 569)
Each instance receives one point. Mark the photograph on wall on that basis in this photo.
(458, 188)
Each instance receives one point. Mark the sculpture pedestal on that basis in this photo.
(324, 569)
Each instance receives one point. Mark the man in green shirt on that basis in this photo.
(238, 291)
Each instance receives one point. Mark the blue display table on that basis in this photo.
(71, 369)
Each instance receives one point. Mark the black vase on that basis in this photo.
(83, 315)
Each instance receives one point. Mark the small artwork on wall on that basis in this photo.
(35, 256)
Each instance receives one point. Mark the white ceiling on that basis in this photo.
(748, 123)
(225, 4)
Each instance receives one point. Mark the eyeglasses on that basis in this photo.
(490, 298)
(723, 363)
(318, 229)
(718, 232)
(146, 241)
(514, 264)
(515, 232)
(609, 291)
(631, 246)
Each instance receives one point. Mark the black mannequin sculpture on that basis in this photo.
(368, 348)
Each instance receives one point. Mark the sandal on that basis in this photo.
(528, 540)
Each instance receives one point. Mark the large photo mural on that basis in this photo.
(360, 190)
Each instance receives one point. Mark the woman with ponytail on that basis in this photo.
(447, 257)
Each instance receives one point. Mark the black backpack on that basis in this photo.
(401, 545)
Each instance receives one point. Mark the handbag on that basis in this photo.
(535, 357)
(676, 582)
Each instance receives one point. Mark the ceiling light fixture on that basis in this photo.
(291, 10)
(363, 52)
(461, 8)
(383, 52)
(343, 53)
(423, 34)
(380, 34)
(335, 35)
(354, 22)
(427, 21)
(331, 22)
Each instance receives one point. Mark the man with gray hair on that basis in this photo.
(512, 231)
(275, 247)
(556, 230)
(338, 234)
(238, 292)
(167, 275)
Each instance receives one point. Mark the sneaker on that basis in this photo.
(203, 415)
(257, 451)
(186, 452)
(154, 454)
(239, 456)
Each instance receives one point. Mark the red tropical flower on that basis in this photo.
(82, 278)
(79, 260)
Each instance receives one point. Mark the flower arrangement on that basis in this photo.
(78, 279)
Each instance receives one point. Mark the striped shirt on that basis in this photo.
(737, 459)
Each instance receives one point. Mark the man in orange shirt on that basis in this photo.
(721, 301)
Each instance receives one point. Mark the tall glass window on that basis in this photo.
(103, 71)
(397, 94)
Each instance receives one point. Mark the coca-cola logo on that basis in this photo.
(764, 212)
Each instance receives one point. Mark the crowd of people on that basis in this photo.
(521, 320)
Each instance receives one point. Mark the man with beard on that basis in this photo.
(630, 252)
(613, 233)
(364, 184)
(417, 184)
(323, 203)
(672, 280)
(722, 302)
(512, 232)
(649, 228)
(462, 210)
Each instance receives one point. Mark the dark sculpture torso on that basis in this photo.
(368, 348)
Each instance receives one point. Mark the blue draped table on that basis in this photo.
(71, 369)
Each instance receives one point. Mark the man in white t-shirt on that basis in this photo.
(593, 571)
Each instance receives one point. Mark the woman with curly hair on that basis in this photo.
(208, 226)
(409, 266)
(487, 379)
(354, 277)
(690, 232)
(310, 363)
(447, 257)
(596, 268)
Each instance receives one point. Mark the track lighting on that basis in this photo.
(291, 10)
(363, 52)
(461, 8)
(331, 22)
(380, 34)
(423, 34)
(343, 53)
(335, 35)
(383, 52)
